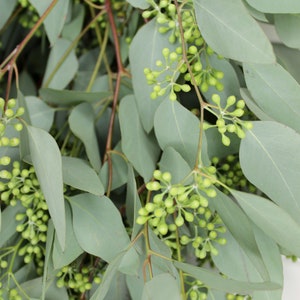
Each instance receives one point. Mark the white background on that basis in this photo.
(291, 286)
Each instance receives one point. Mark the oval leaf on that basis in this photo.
(46, 159)
(98, 226)
(229, 29)
(177, 127)
(287, 28)
(81, 122)
(271, 6)
(56, 18)
(273, 220)
(270, 159)
(78, 174)
(139, 147)
(218, 282)
(139, 60)
(275, 91)
(153, 288)
(60, 70)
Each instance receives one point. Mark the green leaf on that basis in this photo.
(46, 160)
(171, 161)
(232, 252)
(142, 57)
(229, 29)
(252, 105)
(109, 275)
(289, 59)
(8, 222)
(60, 70)
(7, 7)
(286, 26)
(275, 91)
(271, 219)
(270, 159)
(139, 147)
(78, 174)
(241, 229)
(66, 97)
(72, 250)
(130, 262)
(56, 18)
(273, 262)
(73, 28)
(142, 4)
(98, 226)
(119, 170)
(133, 203)
(81, 122)
(41, 115)
(218, 282)
(271, 6)
(177, 127)
(161, 287)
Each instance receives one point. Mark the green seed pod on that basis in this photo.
(162, 228)
(141, 220)
(240, 104)
(9, 113)
(149, 207)
(167, 177)
(237, 113)
(169, 202)
(230, 101)
(192, 50)
(188, 216)
(153, 186)
(143, 211)
(184, 240)
(179, 221)
(213, 235)
(216, 99)
(5, 160)
(225, 140)
(18, 127)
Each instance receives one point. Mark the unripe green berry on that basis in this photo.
(146, 14)
(13, 142)
(237, 113)
(157, 174)
(204, 87)
(185, 88)
(184, 240)
(192, 50)
(216, 99)
(3, 264)
(225, 140)
(211, 193)
(231, 128)
(153, 186)
(162, 228)
(213, 234)
(179, 221)
(11, 103)
(18, 127)
(248, 125)
(197, 66)
(230, 101)
(166, 52)
(240, 104)
(9, 113)
(149, 207)
(173, 56)
(5, 160)
(188, 216)
(4, 141)
(143, 211)
(159, 212)
(166, 176)
(169, 202)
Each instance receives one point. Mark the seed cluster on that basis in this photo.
(186, 207)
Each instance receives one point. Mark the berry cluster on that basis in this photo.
(9, 115)
(230, 173)
(197, 289)
(29, 17)
(173, 63)
(22, 187)
(76, 280)
(178, 205)
(228, 117)
(237, 297)
(13, 294)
